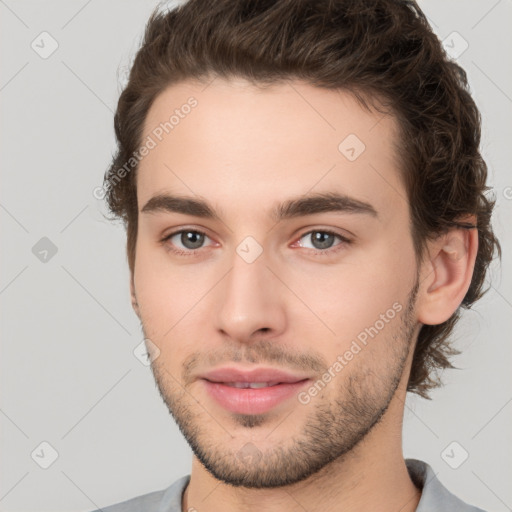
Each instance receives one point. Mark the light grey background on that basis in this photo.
(68, 373)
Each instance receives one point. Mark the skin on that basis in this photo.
(298, 306)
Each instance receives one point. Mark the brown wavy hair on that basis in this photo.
(382, 51)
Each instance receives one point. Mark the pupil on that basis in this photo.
(322, 240)
(192, 239)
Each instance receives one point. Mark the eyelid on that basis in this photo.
(344, 240)
(320, 229)
(187, 252)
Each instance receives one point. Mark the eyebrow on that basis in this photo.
(304, 205)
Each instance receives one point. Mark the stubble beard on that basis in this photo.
(331, 432)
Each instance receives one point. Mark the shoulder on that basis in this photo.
(434, 495)
(168, 499)
(147, 502)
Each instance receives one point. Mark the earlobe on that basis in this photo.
(447, 275)
(135, 304)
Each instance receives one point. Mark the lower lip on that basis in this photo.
(252, 401)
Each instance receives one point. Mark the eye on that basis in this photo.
(323, 240)
(185, 241)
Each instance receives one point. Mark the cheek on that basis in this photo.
(350, 298)
(164, 289)
(158, 293)
(172, 304)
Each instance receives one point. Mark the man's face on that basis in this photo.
(325, 293)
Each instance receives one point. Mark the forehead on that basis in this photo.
(245, 145)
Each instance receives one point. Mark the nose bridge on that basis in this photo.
(250, 299)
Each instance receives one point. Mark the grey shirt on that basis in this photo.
(434, 496)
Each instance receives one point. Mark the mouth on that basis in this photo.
(252, 385)
(253, 392)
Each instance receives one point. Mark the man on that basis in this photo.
(304, 202)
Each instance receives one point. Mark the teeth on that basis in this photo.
(252, 385)
(256, 385)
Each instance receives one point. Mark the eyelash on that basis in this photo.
(317, 252)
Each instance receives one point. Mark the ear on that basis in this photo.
(135, 304)
(447, 273)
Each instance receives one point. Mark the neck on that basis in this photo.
(373, 476)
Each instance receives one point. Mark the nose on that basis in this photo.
(250, 302)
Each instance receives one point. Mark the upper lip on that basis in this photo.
(271, 375)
